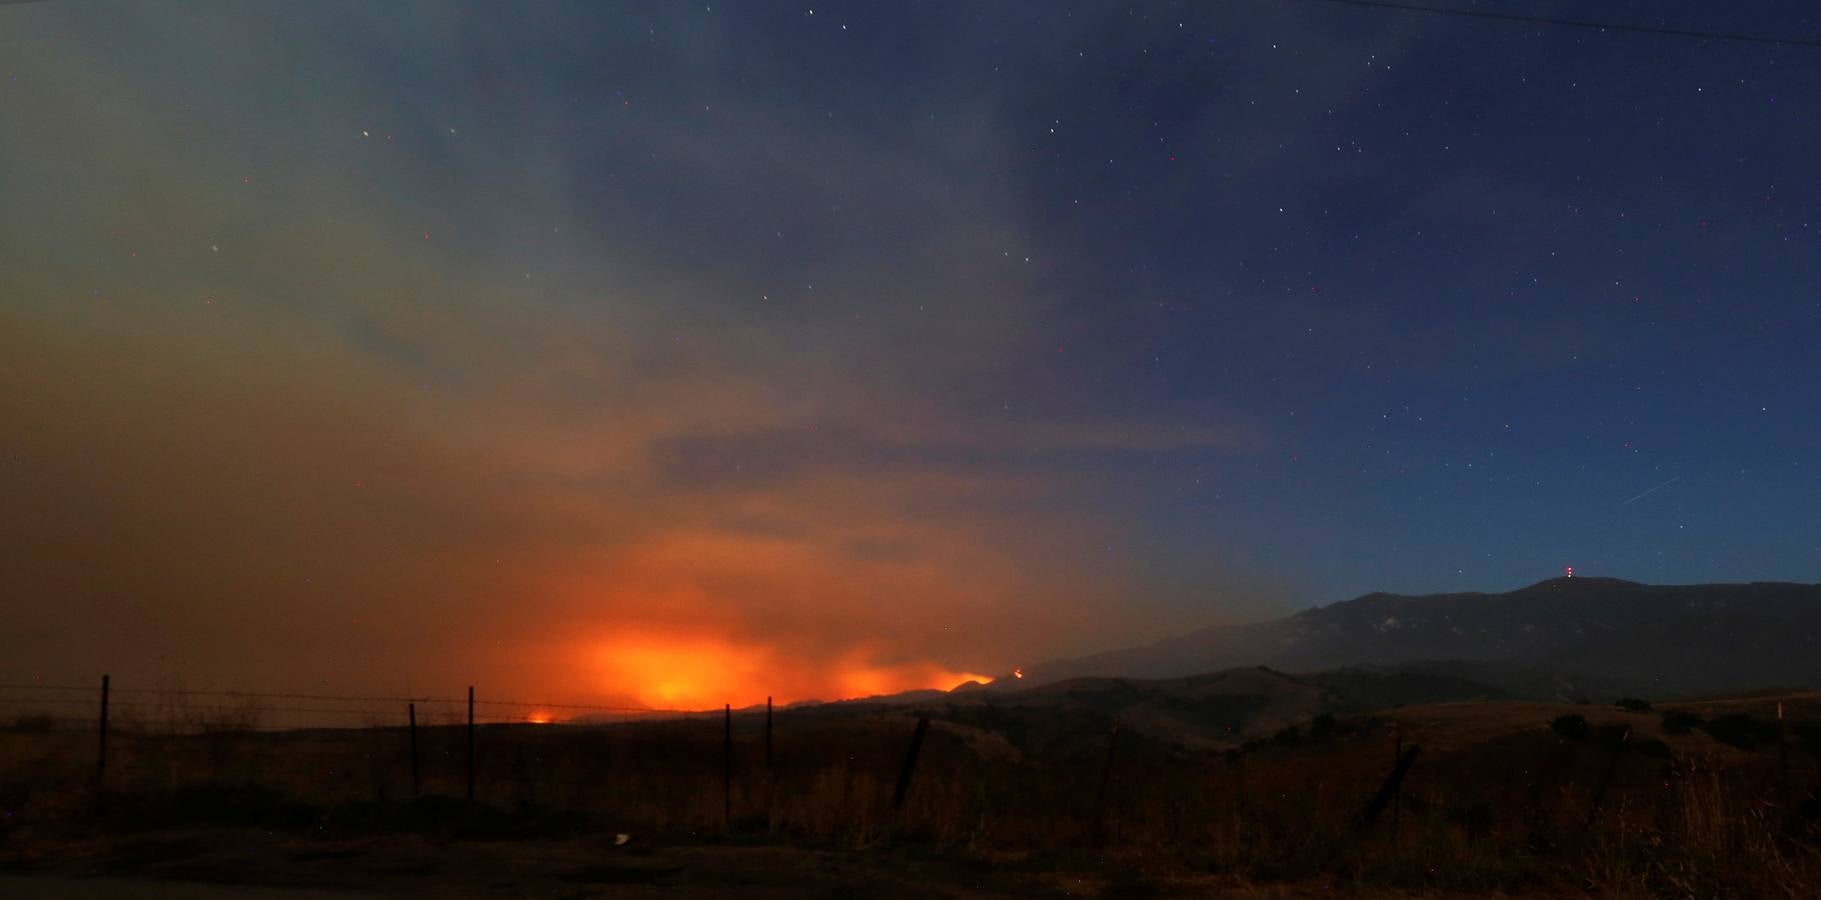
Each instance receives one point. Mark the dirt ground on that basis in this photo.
(226, 863)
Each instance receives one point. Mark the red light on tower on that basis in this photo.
(1570, 571)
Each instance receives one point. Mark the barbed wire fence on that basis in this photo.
(697, 770)
(177, 709)
(389, 726)
(335, 748)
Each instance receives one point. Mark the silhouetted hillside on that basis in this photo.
(1592, 634)
(1214, 710)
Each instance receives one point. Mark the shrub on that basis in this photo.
(1809, 733)
(38, 723)
(1572, 726)
(1651, 747)
(1678, 721)
(1612, 737)
(1130, 885)
(1741, 730)
(1473, 815)
(1321, 727)
(1633, 704)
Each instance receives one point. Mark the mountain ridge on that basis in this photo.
(1658, 639)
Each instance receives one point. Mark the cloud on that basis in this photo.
(602, 421)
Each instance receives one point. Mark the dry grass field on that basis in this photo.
(1682, 800)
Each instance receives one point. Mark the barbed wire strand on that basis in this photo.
(344, 698)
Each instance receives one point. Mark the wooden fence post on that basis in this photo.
(411, 711)
(910, 764)
(727, 766)
(770, 775)
(1397, 797)
(101, 741)
(1393, 783)
(471, 743)
(1098, 833)
(1783, 756)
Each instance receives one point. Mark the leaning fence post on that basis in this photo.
(471, 742)
(1098, 834)
(910, 764)
(101, 742)
(768, 735)
(411, 712)
(1393, 783)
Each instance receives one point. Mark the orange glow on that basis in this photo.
(870, 681)
(538, 718)
(704, 672)
(698, 673)
(1017, 673)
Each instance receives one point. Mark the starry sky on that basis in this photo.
(673, 353)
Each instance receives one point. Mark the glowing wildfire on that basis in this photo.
(667, 672)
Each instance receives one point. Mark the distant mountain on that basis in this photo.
(1598, 635)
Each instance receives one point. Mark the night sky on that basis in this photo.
(689, 352)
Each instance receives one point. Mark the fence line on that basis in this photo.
(517, 766)
(133, 724)
(332, 698)
(23, 706)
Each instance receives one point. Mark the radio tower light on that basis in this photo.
(1570, 572)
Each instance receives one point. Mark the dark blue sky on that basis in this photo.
(888, 338)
